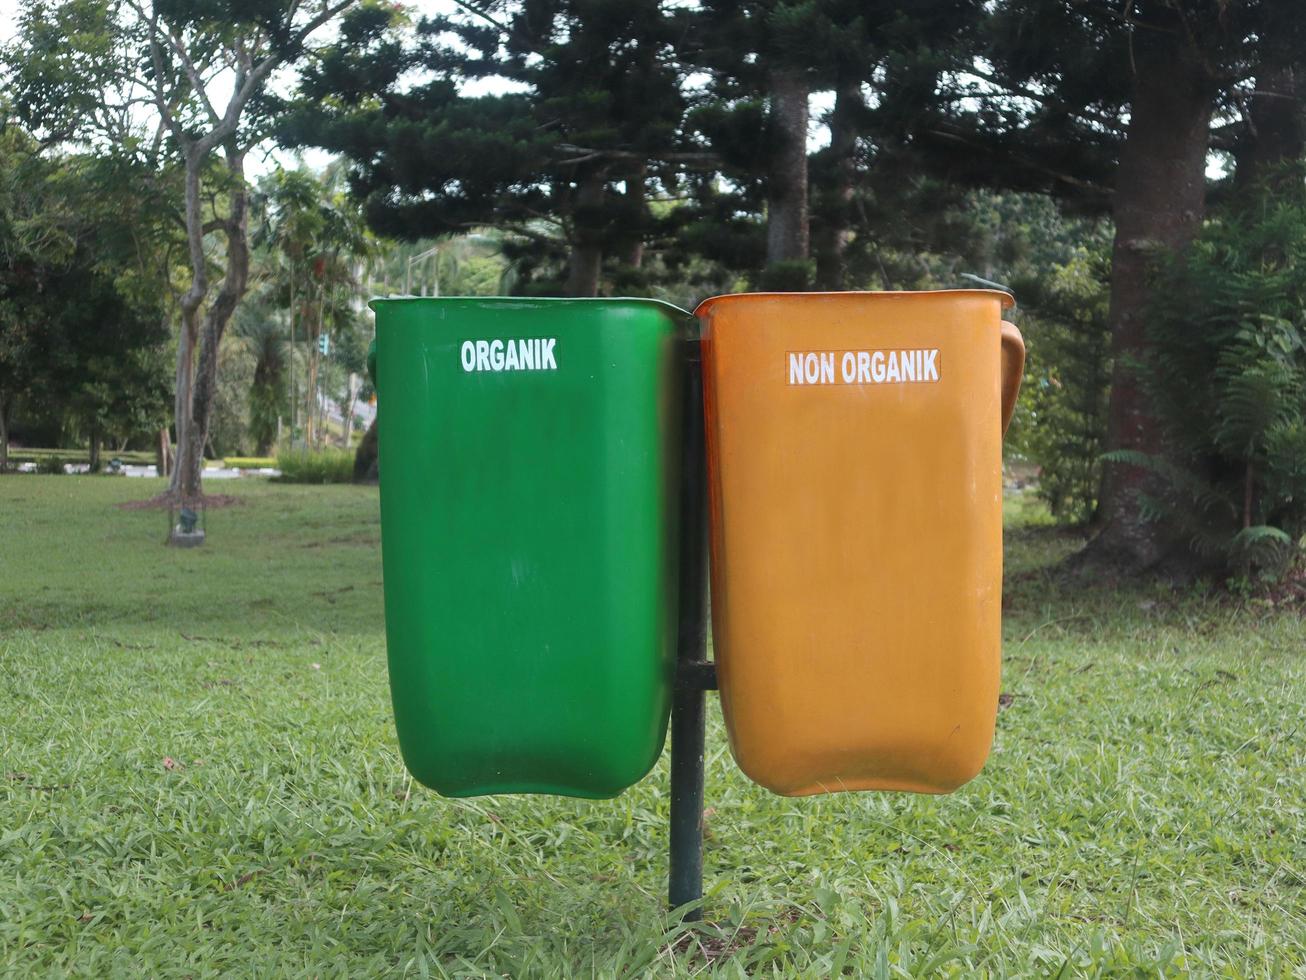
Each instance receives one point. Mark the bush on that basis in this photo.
(249, 462)
(1227, 373)
(316, 466)
(51, 465)
(1060, 421)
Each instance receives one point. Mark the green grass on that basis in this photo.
(200, 777)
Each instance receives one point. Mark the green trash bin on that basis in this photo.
(529, 460)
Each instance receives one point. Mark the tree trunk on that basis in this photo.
(190, 455)
(351, 400)
(1274, 129)
(635, 207)
(586, 263)
(163, 452)
(294, 392)
(310, 420)
(1158, 205)
(185, 384)
(5, 401)
(831, 240)
(96, 440)
(367, 460)
(786, 202)
(185, 474)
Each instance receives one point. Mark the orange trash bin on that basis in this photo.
(855, 490)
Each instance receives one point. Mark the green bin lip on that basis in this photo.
(532, 302)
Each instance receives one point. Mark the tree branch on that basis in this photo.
(156, 57)
(248, 83)
(196, 82)
(1009, 89)
(590, 154)
(1069, 180)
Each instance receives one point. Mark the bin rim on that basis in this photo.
(527, 302)
(1007, 300)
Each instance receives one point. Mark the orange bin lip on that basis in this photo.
(856, 534)
(706, 307)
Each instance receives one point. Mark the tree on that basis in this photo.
(1108, 106)
(82, 312)
(1158, 204)
(563, 161)
(83, 70)
(1228, 377)
(323, 247)
(33, 234)
(763, 60)
(264, 335)
(1271, 133)
(1061, 418)
(291, 217)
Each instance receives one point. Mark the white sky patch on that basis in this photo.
(818, 133)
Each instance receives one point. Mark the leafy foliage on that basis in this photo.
(268, 392)
(561, 159)
(1228, 373)
(51, 466)
(312, 256)
(83, 331)
(316, 465)
(1060, 422)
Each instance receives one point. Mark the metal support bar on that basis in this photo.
(694, 675)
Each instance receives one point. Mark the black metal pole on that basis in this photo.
(693, 676)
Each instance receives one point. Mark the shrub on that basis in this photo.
(249, 462)
(316, 466)
(51, 465)
(1060, 421)
(1227, 374)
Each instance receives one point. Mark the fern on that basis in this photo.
(1198, 495)
(1227, 374)
(1255, 397)
(1261, 546)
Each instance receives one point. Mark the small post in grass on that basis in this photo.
(694, 675)
(186, 527)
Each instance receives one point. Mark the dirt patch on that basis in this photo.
(711, 942)
(1290, 590)
(210, 501)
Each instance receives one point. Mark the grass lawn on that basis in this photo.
(199, 776)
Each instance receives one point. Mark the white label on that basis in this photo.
(532, 354)
(863, 367)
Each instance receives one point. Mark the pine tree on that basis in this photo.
(1109, 106)
(764, 60)
(905, 58)
(563, 162)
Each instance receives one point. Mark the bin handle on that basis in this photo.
(371, 361)
(1013, 366)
